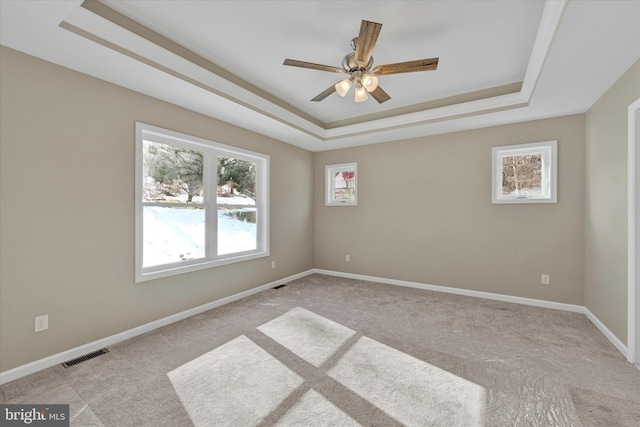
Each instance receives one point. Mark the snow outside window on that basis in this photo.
(525, 173)
(199, 204)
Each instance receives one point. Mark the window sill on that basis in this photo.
(152, 273)
(523, 200)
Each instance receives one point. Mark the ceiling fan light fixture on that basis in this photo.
(361, 93)
(358, 65)
(370, 82)
(343, 86)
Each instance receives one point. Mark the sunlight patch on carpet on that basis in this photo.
(408, 389)
(308, 335)
(312, 407)
(237, 384)
(241, 384)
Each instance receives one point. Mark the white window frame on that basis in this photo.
(211, 150)
(549, 152)
(330, 172)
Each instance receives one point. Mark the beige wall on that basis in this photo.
(425, 215)
(606, 203)
(67, 211)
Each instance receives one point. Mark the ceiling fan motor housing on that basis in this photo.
(350, 65)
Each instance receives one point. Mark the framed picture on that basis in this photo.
(341, 184)
(525, 173)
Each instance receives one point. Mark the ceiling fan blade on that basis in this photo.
(366, 41)
(311, 65)
(380, 95)
(324, 94)
(407, 67)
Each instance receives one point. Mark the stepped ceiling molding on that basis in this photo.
(500, 62)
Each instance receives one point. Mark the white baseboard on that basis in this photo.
(38, 365)
(47, 362)
(478, 294)
(458, 291)
(607, 333)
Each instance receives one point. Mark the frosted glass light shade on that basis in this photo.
(361, 94)
(342, 87)
(370, 82)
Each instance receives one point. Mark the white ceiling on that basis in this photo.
(224, 59)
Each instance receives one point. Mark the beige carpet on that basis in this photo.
(327, 351)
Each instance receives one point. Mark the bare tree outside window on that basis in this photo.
(525, 173)
(522, 174)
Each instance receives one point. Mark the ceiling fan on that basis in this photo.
(358, 65)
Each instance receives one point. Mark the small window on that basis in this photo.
(199, 204)
(341, 184)
(525, 173)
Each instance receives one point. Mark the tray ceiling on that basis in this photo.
(500, 62)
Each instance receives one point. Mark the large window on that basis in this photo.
(525, 173)
(198, 203)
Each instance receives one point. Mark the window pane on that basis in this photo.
(171, 174)
(522, 175)
(172, 234)
(236, 230)
(236, 182)
(344, 185)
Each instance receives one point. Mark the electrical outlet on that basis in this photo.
(42, 323)
(273, 264)
(545, 279)
(347, 258)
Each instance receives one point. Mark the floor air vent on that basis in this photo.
(85, 357)
(279, 286)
